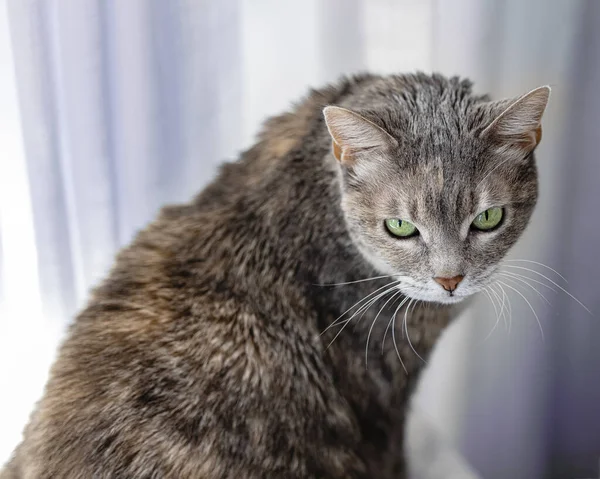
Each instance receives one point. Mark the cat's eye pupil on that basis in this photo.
(401, 228)
(488, 220)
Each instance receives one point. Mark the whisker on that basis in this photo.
(491, 171)
(529, 304)
(503, 310)
(363, 308)
(538, 263)
(530, 279)
(357, 281)
(497, 316)
(380, 296)
(405, 313)
(373, 325)
(514, 277)
(394, 335)
(406, 329)
(485, 290)
(553, 282)
(501, 302)
(393, 283)
(508, 307)
(406, 298)
(506, 313)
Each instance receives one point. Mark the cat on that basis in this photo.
(276, 325)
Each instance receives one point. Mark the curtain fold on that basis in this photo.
(573, 396)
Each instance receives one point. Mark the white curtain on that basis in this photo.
(124, 106)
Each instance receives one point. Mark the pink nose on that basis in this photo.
(449, 284)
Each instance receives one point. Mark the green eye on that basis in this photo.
(401, 228)
(488, 219)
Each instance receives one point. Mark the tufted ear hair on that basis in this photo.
(351, 132)
(520, 124)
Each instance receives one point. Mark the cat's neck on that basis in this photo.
(284, 236)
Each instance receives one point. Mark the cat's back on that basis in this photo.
(128, 362)
(156, 369)
(184, 331)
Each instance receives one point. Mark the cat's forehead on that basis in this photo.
(437, 191)
(428, 146)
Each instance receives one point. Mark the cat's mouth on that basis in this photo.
(435, 294)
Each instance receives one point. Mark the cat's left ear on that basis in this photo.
(352, 133)
(520, 125)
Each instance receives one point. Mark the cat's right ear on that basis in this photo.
(352, 133)
(520, 123)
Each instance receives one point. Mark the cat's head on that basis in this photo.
(438, 184)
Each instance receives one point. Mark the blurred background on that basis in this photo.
(111, 108)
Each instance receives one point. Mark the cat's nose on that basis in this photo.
(449, 284)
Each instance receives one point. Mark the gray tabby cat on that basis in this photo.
(219, 346)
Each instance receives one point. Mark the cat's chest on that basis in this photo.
(367, 360)
(377, 355)
(376, 367)
(377, 389)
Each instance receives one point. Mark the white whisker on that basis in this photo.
(373, 325)
(530, 307)
(363, 308)
(553, 282)
(530, 279)
(393, 283)
(507, 275)
(497, 316)
(501, 302)
(491, 171)
(406, 329)
(508, 307)
(538, 263)
(406, 298)
(485, 290)
(393, 320)
(357, 281)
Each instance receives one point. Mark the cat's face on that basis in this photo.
(438, 209)
(436, 237)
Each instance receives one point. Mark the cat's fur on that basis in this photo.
(201, 355)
